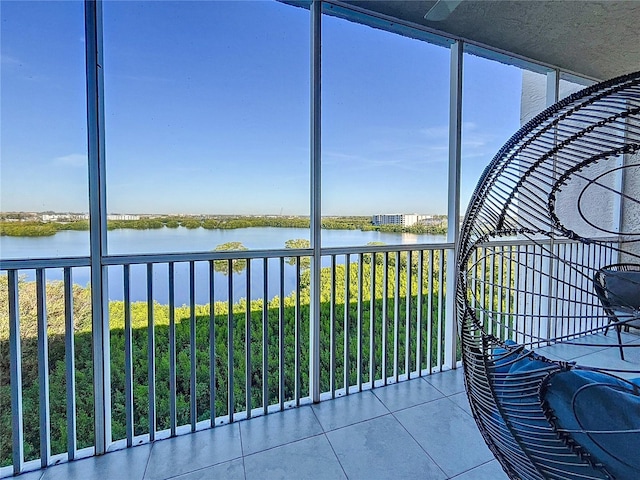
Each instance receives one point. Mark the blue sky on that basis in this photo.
(207, 111)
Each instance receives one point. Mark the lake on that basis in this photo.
(175, 240)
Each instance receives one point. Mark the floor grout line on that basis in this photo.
(146, 466)
(282, 445)
(473, 468)
(336, 455)
(244, 469)
(420, 446)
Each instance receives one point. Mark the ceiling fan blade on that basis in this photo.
(441, 10)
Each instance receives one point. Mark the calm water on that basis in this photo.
(167, 240)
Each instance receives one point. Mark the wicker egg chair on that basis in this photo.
(557, 204)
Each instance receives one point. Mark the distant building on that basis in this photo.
(403, 219)
(118, 216)
(64, 217)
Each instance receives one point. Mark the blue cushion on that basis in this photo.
(519, 397)
(584, 403)
(504, 358)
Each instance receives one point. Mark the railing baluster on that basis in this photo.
(566, 292)
(419, 314)
(595, 308)
(265, 336)
(493, 325)
(212, 346)
(15, 365)
(281, 338)
(483, 288)
(247, 340)
(430, 287)
(573, 280)
(539, 291)
(70, 371)
(151, 354)
(584, 286)
(193, 410)
(347, 298)
(230, 354)
(566, 322)
(372, 323)
(128, 356)
(332, 330)
(440, 307)
(359, 328)
(508, 294)
(396, 320)
(516, 296)
(43, 369)
(528, 288)
(297, 336)
(173, 414)
(407, 323)
(385, 313)
(500, 309)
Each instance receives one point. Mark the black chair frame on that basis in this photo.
(612, 303)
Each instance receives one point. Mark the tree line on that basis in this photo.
(43, 229)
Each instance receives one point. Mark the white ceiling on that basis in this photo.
(598, 39)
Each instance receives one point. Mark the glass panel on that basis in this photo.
(384, 136)
(207, 107)
(497, 99)
(43, 182)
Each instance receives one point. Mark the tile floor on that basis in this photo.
(421, 428)
(402, 431)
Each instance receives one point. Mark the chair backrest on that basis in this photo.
(618, 286)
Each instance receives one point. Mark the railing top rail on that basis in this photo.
(541, 241)
(144, 258)
(386, 248)
(34, 263)
(201, 256)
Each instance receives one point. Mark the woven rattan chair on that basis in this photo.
(559, 202)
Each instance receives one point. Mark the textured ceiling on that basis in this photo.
(599, 39)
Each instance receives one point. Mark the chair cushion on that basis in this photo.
(518, 396)
(504, 358)
(585, 403)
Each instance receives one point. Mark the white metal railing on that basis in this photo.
(239, 346)
(176, 368)
(536, 284)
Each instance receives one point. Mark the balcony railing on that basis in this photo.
(199, 340)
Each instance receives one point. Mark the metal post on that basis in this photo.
(98, 224)
(43, 370)
(15, 366)
(316, 217)
(553, 87)
(453, 229)
(552, 95)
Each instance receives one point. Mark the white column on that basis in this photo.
(453, 229)
(316, 216)
(98, 225)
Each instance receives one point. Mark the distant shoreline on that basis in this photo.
(21, 228)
